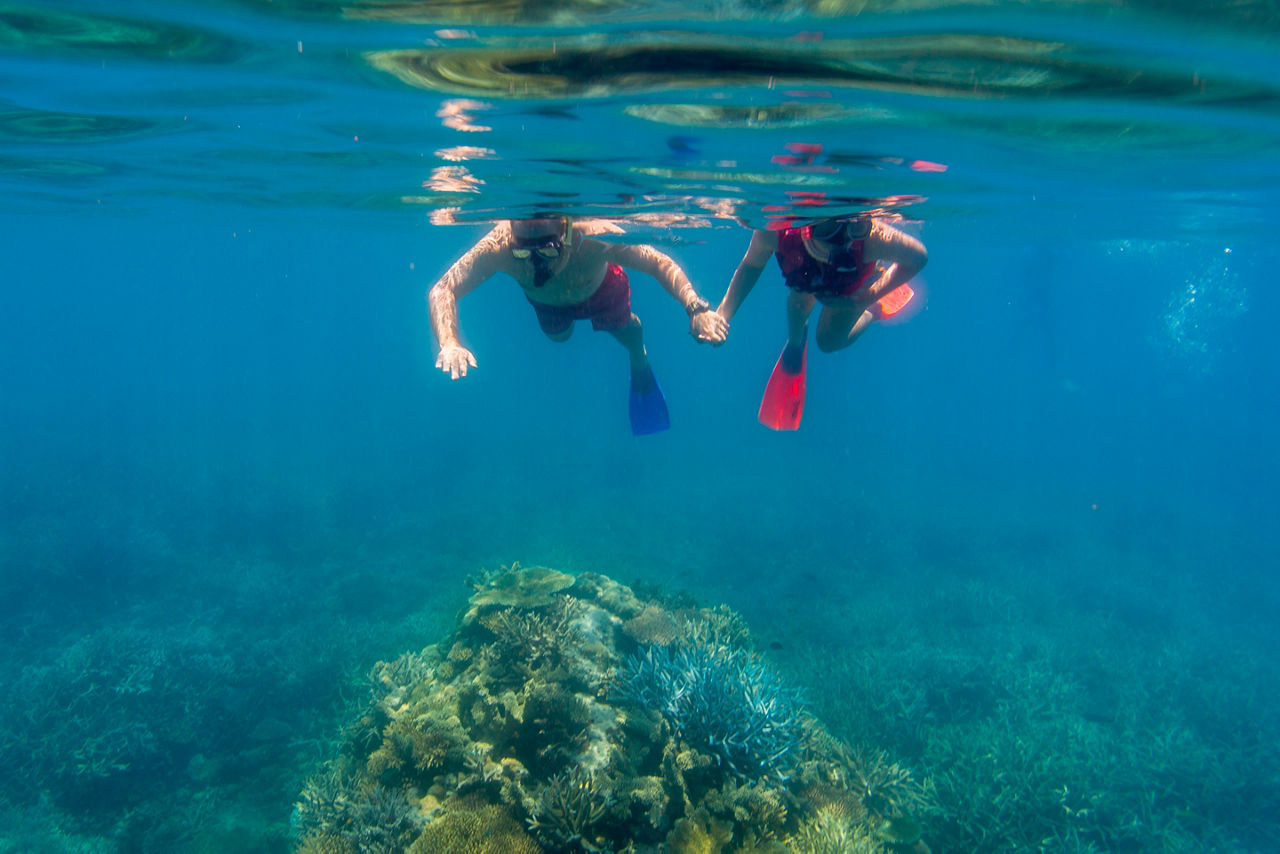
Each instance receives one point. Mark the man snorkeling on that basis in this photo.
(857, 267)
(567, 276)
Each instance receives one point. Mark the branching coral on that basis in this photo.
(566, 810)
(407, 670)
(719, 627)
(423, 744)
(321, 808)
(383, 820)
(722, 699)
(832, 834)
(528, 641)
(885, 787)
(116, 703)
(370, 818)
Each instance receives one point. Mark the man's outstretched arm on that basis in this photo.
(472, 269)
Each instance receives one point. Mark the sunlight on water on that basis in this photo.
(1199, 311)
(1200, 314)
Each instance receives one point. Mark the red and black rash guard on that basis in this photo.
(802, 272)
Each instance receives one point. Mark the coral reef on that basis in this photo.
(566, 713)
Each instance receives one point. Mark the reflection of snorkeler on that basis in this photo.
(857, 267)
(567, 276)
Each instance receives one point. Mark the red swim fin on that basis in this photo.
(895, 301)
(783, 402)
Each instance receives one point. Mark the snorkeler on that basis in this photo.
(567, 276)
(857, 267)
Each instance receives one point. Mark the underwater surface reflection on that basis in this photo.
(747, 111)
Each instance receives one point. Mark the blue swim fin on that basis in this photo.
(648, 406)
(783, 402)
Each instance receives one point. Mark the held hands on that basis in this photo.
(454, 360)
(709, 327)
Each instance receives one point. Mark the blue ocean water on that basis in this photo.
(1042, 509)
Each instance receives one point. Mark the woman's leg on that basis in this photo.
(839, 326)
(799, 306)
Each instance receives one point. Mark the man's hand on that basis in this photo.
(454, 359)
(709, 326)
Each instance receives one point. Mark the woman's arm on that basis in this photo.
(902, 256)
(763, 244)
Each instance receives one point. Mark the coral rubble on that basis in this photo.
(566, 713)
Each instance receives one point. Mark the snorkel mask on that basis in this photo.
(841, 235)
(539, 241)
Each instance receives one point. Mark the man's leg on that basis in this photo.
(631, 336)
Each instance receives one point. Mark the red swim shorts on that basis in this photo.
(609, 308)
